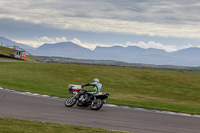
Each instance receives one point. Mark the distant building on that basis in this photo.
(20, 54)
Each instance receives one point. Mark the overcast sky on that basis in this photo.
(165, 24)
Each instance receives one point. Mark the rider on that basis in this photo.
(97, 88)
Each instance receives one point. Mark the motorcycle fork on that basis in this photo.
(73, 97)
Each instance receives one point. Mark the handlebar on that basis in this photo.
(82, 90)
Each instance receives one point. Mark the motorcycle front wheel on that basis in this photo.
(96, 104)
(70, 101)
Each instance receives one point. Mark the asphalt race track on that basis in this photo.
(53, 110)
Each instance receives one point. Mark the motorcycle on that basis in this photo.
(95, 101)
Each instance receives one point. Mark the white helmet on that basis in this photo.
(95, 80)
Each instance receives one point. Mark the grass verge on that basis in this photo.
(11, 125)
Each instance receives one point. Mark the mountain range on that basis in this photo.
(9, 43)
(130, 54)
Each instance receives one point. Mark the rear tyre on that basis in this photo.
(70, 101)
(96, 104)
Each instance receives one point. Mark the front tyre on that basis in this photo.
(96, 104)
(70, 101)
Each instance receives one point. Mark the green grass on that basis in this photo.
(149, 88)
(5, 58)
(6, 52)
(10, 125)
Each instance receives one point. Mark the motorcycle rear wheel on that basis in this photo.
(70, 102)
(96, 104)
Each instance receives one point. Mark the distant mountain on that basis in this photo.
(6, 42)
(133, 54)
(187, 57)
(63, 49)
(130, 54)
(192, 52)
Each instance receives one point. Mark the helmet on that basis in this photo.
(95, 80)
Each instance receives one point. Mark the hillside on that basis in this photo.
(8, 54)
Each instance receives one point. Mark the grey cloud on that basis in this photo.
(159, 11)
(25, 30)
(69, 14)
(12, 29)
(155, 11)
